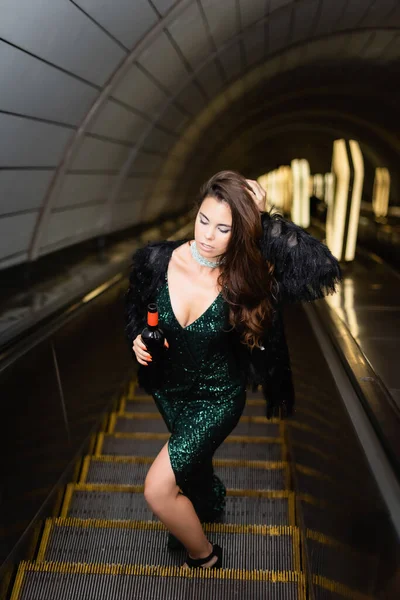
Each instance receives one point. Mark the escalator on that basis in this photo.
(107, 542)
(304, 517)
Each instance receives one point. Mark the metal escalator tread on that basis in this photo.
(88, 503)
(126, 542)
(115, 444)
(134, 422)
(128, 582)
(120, 446)
(149, 405)
(132, 471)
(255, 410)
(108, 544)
(127, 425)
(256, 428)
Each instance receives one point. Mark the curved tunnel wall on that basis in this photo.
(104, 106)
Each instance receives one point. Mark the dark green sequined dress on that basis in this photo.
(201, 400)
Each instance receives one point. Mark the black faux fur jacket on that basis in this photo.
(304, 270)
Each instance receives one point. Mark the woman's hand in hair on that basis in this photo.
(259, 194)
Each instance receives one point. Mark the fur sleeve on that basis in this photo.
(147, 273)
(304, 267)
(135, 297)
(270, 367)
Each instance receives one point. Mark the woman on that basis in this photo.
(218, 298)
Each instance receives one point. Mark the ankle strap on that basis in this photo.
(197, 562)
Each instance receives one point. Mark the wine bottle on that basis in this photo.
(153, 336)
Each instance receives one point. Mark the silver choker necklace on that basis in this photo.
(201, 260)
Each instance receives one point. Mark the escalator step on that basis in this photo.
(139, 406)
(86, 502)
(252, 407)
(235, 474)
(153, 423)
(131, 444)
(255, 410)
(135, 422)
(132, 542)
(140, 394)
(46, 581)
(258, 426)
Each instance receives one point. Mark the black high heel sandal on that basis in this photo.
(194, 563)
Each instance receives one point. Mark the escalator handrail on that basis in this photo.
(34, 336)
(376, 400)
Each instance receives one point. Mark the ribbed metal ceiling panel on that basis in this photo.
(96, 94)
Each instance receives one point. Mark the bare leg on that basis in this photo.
(175, 510)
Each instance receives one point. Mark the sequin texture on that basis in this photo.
(200, 400)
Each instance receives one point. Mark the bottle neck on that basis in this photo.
(152, 320)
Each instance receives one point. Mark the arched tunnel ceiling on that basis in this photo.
(113, 112)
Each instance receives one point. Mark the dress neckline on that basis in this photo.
(170, 303)
(198, 318)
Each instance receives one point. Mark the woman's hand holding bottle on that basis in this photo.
(142, 355)
(150, 344)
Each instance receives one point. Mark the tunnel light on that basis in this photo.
(305, 195)
(336, 214)
(311, 185)
(296, 191)
(287, 189)
(355, 203)
(381, 192)
(278, 187)
(318, 186)
(344, 211)
(329, 180)
(272, 189)
(263, 181)
(300, 195)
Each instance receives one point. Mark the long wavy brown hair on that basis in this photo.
(246, 278)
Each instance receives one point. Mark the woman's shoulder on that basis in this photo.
(155, 253)
(159, 247)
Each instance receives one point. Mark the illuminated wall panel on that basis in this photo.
(344, 209)
(381, 192)
(301, 192)
(336, 215)
(329, 181)
(355, 202)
